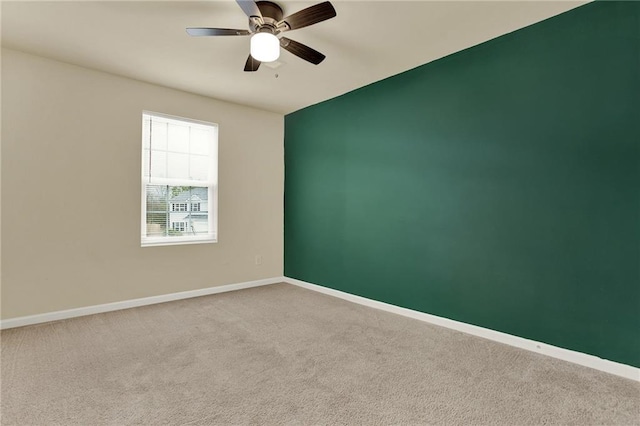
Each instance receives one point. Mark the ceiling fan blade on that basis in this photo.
(250, 8)
(251, 64)
(302, 51)
(196, 32)
(311, 15)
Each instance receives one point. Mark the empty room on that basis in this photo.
(320, 212)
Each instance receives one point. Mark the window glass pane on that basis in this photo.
(200, 140)
(168, 214)
(157, 213)
(178, 166)
(178, 137)
(158, 135)
(200, 167)
(188, 222)
(158, 164)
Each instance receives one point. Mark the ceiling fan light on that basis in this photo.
(265, 47)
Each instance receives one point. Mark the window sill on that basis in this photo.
(176, 241)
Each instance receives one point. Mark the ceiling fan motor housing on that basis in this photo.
(271, 15)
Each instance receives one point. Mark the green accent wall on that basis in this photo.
(499, 186)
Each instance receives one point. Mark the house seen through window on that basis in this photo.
(179, 180)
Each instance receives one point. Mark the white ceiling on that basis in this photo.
(366, 42)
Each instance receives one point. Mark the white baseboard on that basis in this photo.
(580, 358)
(125, 304)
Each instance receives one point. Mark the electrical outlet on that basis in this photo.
(258, 259)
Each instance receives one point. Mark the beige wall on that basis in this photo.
(71, 190)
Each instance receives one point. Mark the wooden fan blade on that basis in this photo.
(250, 8)
(302, 51)
(251, 64)
(309, 16)
(197, 32)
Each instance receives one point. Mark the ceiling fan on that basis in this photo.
(266, 23)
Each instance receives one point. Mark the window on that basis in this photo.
(179, 226)
(179, 180)
(179, 207)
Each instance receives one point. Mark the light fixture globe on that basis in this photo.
(265, 47)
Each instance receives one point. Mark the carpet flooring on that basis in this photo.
(280, 354)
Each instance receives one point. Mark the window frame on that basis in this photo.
(211, 184)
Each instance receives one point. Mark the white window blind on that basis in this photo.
(179, 180)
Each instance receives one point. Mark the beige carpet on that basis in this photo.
(284, 355)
